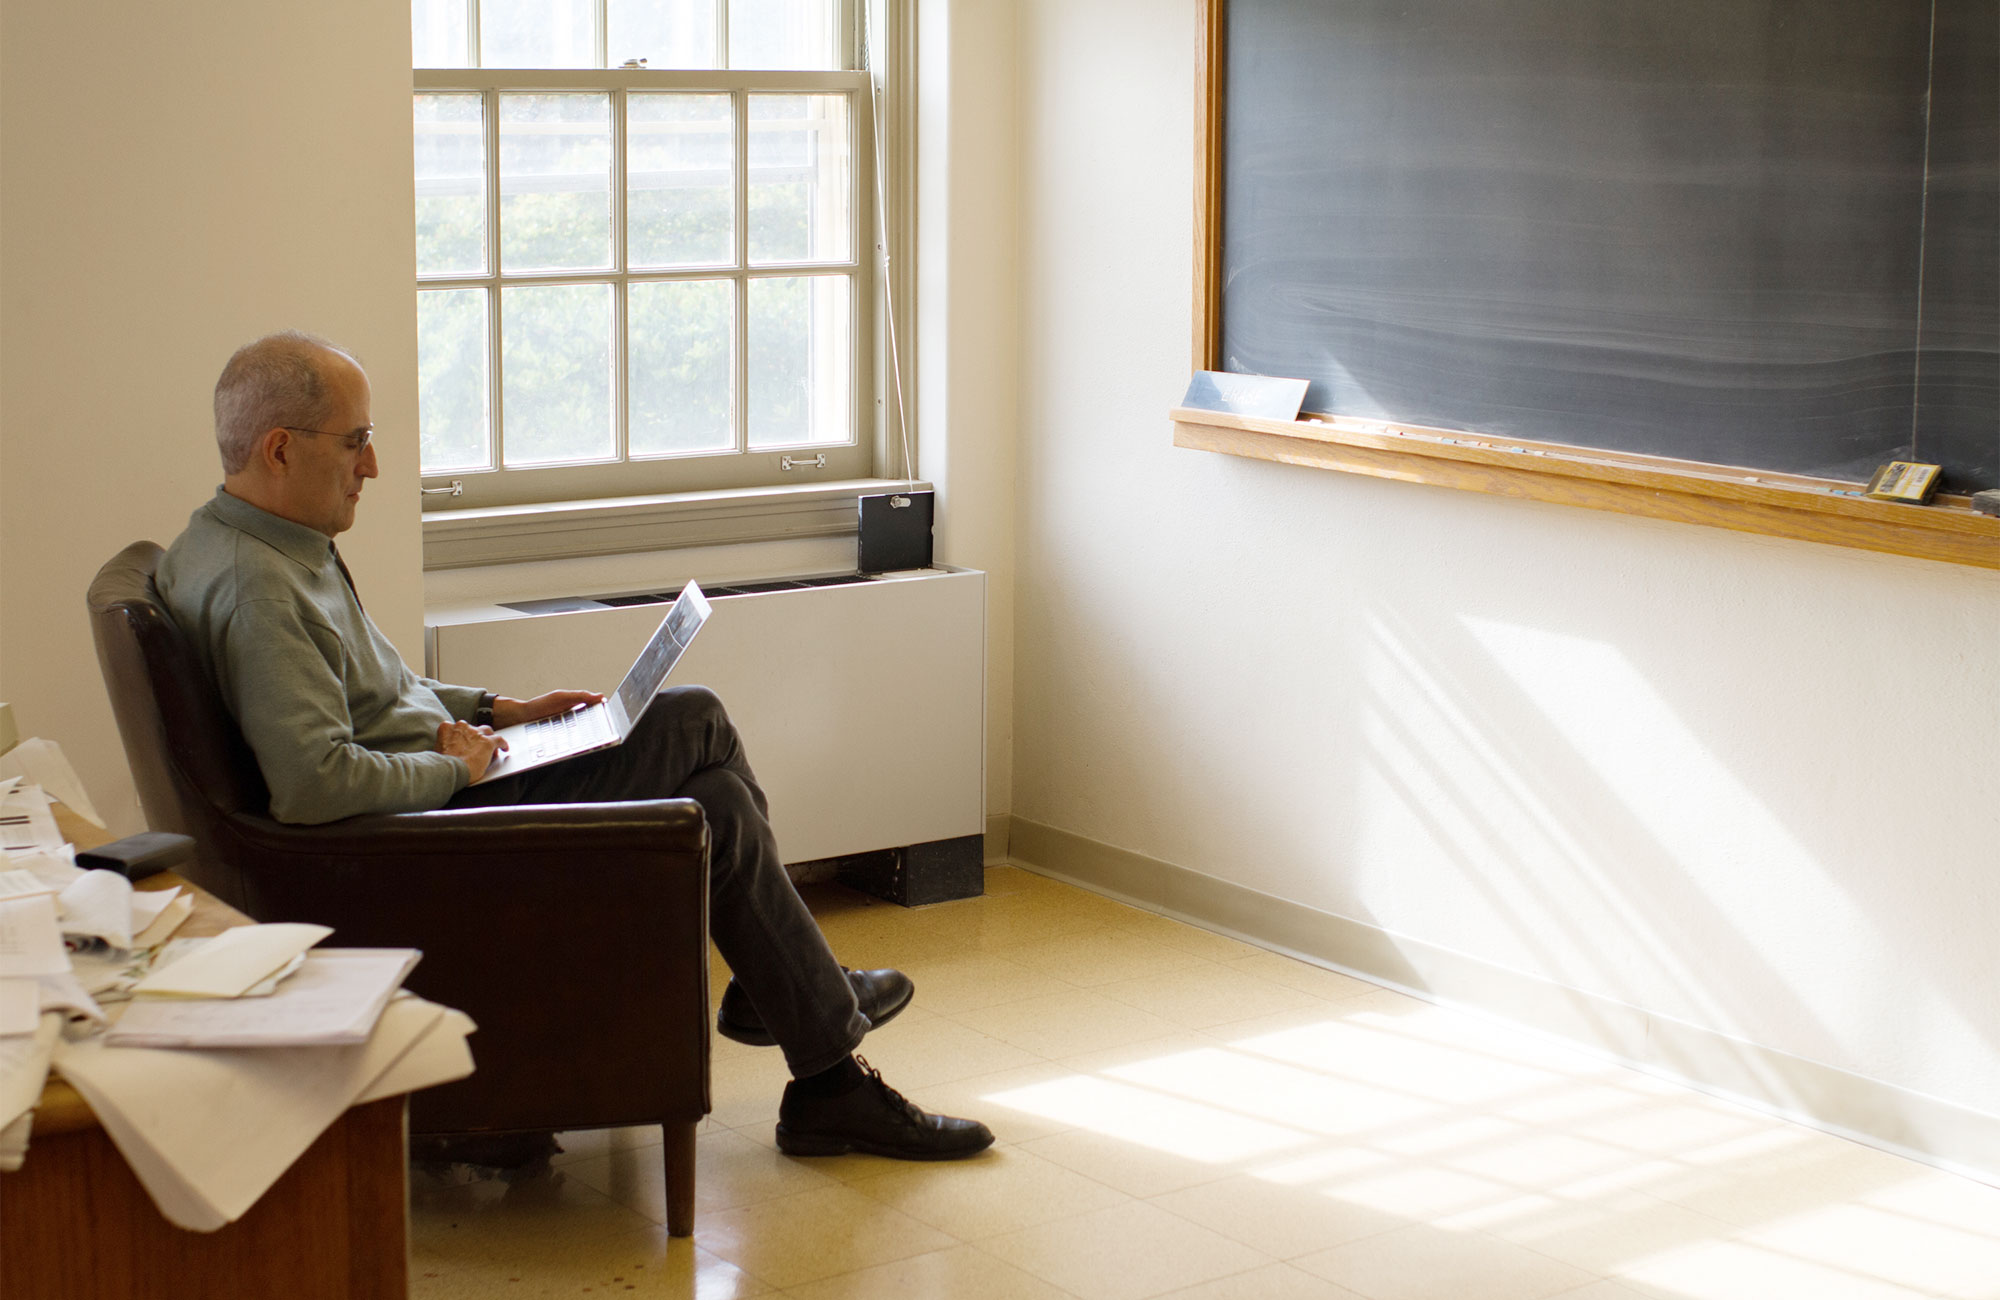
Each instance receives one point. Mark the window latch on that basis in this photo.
(800, 462)
(452, 489)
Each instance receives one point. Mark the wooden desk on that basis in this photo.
(75, 1224)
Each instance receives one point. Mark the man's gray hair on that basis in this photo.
(272, 382)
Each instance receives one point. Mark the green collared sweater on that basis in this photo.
(338, 722)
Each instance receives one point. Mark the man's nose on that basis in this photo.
(366, 466)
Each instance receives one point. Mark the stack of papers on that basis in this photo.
(15, 883)
(27, 824)
(31, 938)
(232, 963)
(31, 948)
(35, 980)
(234, 1053)
(65, 934)
(208, 1132)
(24, 1068)
(335, 999)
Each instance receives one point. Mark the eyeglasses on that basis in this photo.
(354, 442)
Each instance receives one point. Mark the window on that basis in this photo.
(644, 247)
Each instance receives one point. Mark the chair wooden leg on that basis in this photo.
(680, 1179)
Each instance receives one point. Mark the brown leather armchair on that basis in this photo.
(575, 935)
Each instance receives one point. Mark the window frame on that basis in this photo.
(500, 505)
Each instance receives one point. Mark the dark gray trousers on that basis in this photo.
(685, 747)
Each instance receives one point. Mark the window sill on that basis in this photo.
(459, 539)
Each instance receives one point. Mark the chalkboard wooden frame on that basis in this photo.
(1740, 498)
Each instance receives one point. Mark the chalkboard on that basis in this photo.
(1759, 233)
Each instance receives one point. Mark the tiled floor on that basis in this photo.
(1183, 1115)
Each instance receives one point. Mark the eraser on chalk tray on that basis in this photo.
(1987, 502)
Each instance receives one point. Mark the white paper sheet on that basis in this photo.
(30, 940)
(65, 993)
(263, 988)
(24, 884)
(168, 921)
(336, 997)
(207, 1133)
(440, 1056)
(26, 824)
(14, 1143)
(56, 870)
(43, 762)
(147, 904)
(20, 1006)
(231, 962)
(98, 905)
(24, 1067)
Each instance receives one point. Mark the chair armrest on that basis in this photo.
(575, 864)
(674, 825)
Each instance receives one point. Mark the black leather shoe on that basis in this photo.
(874, 1119)
(881, 993)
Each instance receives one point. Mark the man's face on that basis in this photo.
(322, 485)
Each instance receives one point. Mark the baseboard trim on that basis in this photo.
(996, 838)
(1937, 1132)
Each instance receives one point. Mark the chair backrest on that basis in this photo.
(188, 760)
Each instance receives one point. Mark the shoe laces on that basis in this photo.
(875, 1076)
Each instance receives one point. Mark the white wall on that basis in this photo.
(968, 274)
(1748, 783)
(181, 179)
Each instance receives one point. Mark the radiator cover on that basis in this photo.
(862, 705)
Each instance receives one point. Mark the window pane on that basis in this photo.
(451, 185)
(801, 182)
(781, 33)
(680, 205)
(454, 423)
(665, 33)
(537, 33)
(682, 333)
(437, 33)
(555, 373)
(799, 373)
(555, 182)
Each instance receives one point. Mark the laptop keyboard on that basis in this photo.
(564, 732)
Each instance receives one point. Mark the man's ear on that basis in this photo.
(275, 449)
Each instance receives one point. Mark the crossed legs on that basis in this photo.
(685, 747)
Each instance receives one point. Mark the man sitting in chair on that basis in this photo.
(341, 726)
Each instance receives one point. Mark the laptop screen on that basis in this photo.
(676, 630)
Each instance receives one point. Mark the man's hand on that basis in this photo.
(475, 746)
(507, 713)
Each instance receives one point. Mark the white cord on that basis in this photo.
(882, 245)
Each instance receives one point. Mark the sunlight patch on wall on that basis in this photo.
(1461, 767)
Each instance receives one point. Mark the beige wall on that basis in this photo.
(224, 169)
(1623, 756)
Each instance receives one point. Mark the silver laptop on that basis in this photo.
(600, 726)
